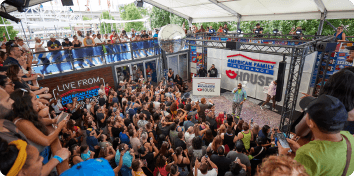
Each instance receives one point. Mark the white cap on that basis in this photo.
(51, 36)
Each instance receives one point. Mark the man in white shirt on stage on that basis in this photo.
(272, 90)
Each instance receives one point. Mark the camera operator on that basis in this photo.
(258, 30)
(297, 32)
(213, 72)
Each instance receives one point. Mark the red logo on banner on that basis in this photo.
(231, 74)
(256, 60)
(199, 89)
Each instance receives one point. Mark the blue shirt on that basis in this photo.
(155, 35)
(91, 141)
(339, 37)
(127, 158)
(11, 61)
(187, 124)
(239, 95)
(53, 44)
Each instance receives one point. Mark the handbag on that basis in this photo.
(349, 154)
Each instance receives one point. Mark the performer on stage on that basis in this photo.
(213, 72)
(271, 95)
(239, 98)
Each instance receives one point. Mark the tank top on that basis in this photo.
(339, 37)
(115, 100)
(246, 140)
(229, 140)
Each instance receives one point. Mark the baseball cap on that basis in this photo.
(96, 167)
(326, 111)
(66, 39)
(51, 36)
(350, 48)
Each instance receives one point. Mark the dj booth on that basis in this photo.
(206, 85)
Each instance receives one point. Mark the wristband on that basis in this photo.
(58, 158)
(40, 87)
(37, 96)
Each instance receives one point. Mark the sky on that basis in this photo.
(94, 5)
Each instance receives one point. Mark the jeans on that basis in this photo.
(237, 106)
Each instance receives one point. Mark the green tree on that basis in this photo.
(85, 18)
(106, 28)
(12, 32)
(160, 18)
(131, 12)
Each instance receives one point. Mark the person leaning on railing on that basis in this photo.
(67, 44)
(39, 45)
(99, 40)
(340, 35)
(76, 43)
(88, 41)
(53, 44)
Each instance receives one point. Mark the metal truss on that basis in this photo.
(297, 55)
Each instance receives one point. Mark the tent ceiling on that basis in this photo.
(31, 3)
(227, 10)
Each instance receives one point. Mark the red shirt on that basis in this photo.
(111, 37)
(107, 90)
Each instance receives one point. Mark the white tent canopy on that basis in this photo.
(250, 10)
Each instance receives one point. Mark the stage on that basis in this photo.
(250, 109)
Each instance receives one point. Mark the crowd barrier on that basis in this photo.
(53, 62)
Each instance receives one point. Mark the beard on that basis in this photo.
(6, 114)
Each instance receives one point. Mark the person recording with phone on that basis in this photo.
(326, 116)
(213, 72)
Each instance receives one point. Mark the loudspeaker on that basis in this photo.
(67, 2)
(139, 3)
(19, 4)
(232, 45)
(326, 46)
(280, 81)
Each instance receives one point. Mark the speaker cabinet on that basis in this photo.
(67, 2)
(139, 3)
(280, 81)
(232, 45)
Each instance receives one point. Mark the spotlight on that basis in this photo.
(275, 31)
(256, 31)
(239, 31)
(298, 32)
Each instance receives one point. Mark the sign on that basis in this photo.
(255, 65)
(254, 70)
(206, 86)
(81, 85)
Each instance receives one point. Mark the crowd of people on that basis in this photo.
(140, 128)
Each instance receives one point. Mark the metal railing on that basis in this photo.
(65, 60)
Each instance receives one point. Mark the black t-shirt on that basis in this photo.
(115, 132)
(66, 44)
(202, 72)
(163, 130)
(213, 125)
(144, 36)
(148, 114)
(180, 143)
(19, 84)
(101, 101)
(222, 162)
(100, 116)
(71, 143)
(151, 163)
(213, 72)
(259, 32)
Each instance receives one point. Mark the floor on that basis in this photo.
(250, 110)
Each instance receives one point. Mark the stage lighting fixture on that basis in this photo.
(298, 32)
(239, 31)
(139, 3)
(275, 31)
(256, 31)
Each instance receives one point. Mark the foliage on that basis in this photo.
(131, 12)
(106, 28)
(13, 33)
(160, 17)
(85, 18)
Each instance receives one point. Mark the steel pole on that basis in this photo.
(24, 34)
(7, 32)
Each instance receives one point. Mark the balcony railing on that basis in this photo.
(54, 62)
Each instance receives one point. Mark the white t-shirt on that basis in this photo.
(24, 46)
(101, 40)
(81, 39)
(212, 172)
(38, 47)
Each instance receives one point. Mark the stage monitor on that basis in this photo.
(67, 2)
(232, 45)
